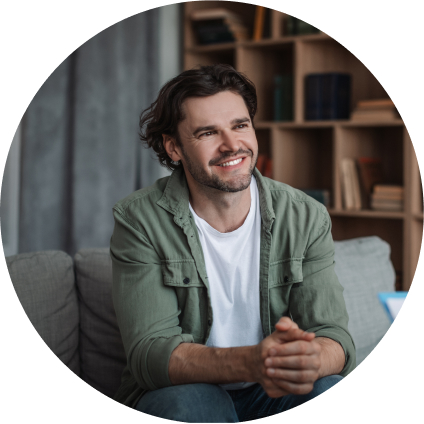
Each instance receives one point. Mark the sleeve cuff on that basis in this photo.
(158, 356)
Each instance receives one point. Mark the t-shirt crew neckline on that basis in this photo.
(236, 232)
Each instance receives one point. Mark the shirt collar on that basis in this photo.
(175, 198)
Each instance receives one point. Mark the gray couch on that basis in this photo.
(69, 303)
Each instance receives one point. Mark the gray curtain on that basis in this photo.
(80, 151)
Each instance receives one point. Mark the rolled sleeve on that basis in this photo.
(147, 310)
(317, 304)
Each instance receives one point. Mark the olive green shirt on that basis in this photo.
(161, 289)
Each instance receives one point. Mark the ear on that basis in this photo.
(171, 148)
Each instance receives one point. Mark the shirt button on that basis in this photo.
(286, 279)
(186, 280)
(209, 322)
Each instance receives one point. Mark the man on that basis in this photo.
(224, 283)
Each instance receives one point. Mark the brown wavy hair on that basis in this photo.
(166, 112)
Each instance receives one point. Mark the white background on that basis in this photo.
(36, 36)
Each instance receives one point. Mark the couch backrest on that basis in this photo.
(100, 347)
(45, 285)
(364, 268)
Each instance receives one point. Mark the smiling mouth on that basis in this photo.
(231, 162)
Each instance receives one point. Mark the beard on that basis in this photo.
(237, 183)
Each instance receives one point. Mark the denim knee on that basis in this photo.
(189, 403)
(325, 383)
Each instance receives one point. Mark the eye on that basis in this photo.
(207, 134)
(241, 126)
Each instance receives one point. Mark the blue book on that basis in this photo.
(327, 96)
(392, 302)
(283, 97)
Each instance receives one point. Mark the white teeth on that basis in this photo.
(233, 162)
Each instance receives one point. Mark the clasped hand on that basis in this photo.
(288, 360)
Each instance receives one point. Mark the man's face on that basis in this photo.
(217, 143)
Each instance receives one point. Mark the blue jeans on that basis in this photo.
(209, 403)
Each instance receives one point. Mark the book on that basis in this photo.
(283, 97)
(295, 26)
(375, 110)
(350, 185)
(375, 115)
(259, 23)
(322, 196)
(388, 196)
(370, 173)
(386, 204)
(388, 189)
(266, 32)
(375, 104)
(327, 96)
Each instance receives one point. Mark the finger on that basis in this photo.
(285, 323)
(292, 334)
(302, 362)
(294, 376)
(293, 348)
(294, 388)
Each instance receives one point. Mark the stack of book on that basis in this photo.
(387, 198)
(375, 110)
(283, 97)
(327, 96)
(264, 165)
(219, 25)
(295, 26)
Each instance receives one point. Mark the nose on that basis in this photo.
(230, 141)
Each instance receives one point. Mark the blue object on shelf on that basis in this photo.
(385, 299)
(327, 96)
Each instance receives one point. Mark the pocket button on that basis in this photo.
(186, 280)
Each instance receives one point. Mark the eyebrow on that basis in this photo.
(236, 121)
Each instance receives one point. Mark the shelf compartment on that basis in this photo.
(262, 63)
(245, 11)
(327, 55)
(385, 143)
(304, 158)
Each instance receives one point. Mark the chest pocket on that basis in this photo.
(181, 273)
(285, 272)
(191, 293)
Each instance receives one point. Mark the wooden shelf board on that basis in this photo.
(218, 47)
(367, 214)
(327, 124)
(392, 123)
(282, 41)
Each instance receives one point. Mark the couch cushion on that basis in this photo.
(101, 350)
(45, 285)
(364, 269)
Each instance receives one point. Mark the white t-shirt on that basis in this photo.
(232, 266)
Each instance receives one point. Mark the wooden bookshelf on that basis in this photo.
(307, 154)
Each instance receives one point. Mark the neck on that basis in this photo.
(221, 210)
